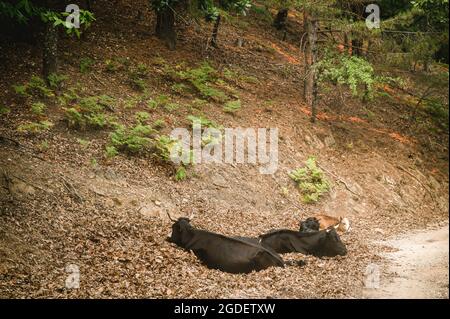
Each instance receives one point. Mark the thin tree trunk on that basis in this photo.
(50, 50)
(165, 27)
(215, 32)
(311, 59)
(307, 87)
(348, 43)
(312, 35)
(281, 19)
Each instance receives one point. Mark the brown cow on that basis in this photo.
(321, 222)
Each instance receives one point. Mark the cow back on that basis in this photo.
(231, 254)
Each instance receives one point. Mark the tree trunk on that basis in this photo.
(215, 32)
(281, 19)
(310, 60)
(50, 50)
(348, 43)
(357, 47)
(312, 37)
(165, 27)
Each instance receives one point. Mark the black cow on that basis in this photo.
(324, 243)
(311, 224)
(221, 252)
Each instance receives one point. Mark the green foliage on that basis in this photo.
(311, 181)
(142, 116)
(35, 127)
(232, 106)
(4, 110)
(203, 121)
(179, 88)
(131, 139)
(199, 103)
(137, 76)
(68, 97)
(163, 147)
(55, 81)
(201, 79)
(83, 142)
(20, 90)
(86, 64)
(89, 112)
(38, 108)
(170, 107)
(181, 174)
(111, 152)
(439, 112)
(352, 71)
(159, 124)
(24, 10)
(111, 65)
(36, 86)
(43, 146)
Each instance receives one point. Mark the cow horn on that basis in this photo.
(174, 220)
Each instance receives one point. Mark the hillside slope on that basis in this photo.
(64, 202)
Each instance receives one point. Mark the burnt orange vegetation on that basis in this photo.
(285, 55)
(322, 116)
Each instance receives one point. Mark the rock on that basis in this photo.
(151, 211)
(329, 141)
(434, 183)
(219, 180)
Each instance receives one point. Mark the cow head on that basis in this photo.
(331, 244)
(181, 232)
(311, 224)
(344, 225)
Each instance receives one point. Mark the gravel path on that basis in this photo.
(418, 269)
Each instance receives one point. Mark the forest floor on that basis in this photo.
(63, 202)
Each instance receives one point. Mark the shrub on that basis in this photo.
(34, 127)
(159, 124)
(132, 140)
(142, 116)
(181, 174)
(4, 110)
(163, 147)
(86, 64)
(111, 152)
(232, 106)
(201, 79)
(89, 112)
(311, 181)
(37, 86)
(111, 65)
(38, 108)
(203, 121)
(20, 90)
(55, 81)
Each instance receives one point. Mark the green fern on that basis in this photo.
(311, 181)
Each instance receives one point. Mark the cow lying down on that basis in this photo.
(321, 222)
(221, 252)
(324, 243)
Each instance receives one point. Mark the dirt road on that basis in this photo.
(418, 268)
